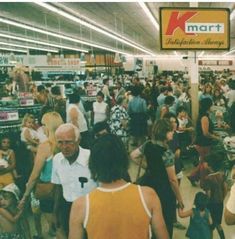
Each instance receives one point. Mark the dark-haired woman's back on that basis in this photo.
(157, 178)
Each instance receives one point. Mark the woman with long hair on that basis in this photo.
(204, 140)
(160, 171)
(42, 168)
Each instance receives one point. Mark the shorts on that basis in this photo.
(47, 205)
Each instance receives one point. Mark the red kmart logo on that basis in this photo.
(180, 21)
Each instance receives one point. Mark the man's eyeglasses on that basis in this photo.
(66, 142)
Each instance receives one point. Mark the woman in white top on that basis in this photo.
(76, 117)
(100, 109)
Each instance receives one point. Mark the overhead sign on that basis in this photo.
(194, 28)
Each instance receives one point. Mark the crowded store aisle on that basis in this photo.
(188, 193)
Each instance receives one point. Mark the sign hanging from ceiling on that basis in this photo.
(195, 28)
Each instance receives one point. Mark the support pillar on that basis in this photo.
(194, 78)
(194, 82)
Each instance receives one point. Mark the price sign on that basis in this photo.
(26, 102)
(9, 115)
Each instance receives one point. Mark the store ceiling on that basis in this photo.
(126, 19)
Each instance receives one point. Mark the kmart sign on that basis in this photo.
(194, 28)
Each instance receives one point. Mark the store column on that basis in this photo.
(194, 78)
(194, 81)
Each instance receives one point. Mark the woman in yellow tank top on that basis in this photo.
(116, 209)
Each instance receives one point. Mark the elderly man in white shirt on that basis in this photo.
(70, 174)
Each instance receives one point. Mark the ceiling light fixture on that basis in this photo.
(149, 14)
(41, 42)
(93, 27)
(12, 49)
(28, 47)
(24, 26)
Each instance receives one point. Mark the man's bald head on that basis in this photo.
(67, 128)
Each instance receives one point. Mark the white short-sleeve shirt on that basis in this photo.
(68, 175)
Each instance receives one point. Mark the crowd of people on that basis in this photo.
(78, 162)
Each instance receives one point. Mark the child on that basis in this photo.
(7, 156)
(184, 129)
(28, 134)
(220, 123)
(200, 219)
(9, 214)
(216, 189)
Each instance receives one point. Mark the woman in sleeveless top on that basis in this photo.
(42, 168)
(160, 172)
(204, 140)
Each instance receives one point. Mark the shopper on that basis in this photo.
(119, 120)
(70, 174)
(216, 189)
(10, 216)
(204, 141)
(100, 109)
(28, 134)
(8, 172)
(160, 172)
(42, 168)
(137, 110)
(77, 118)
(116, 209)
(200, 220)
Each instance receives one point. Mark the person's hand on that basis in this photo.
(21, 204)
(180, 205)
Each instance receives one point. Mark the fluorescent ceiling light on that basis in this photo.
(95, 28)
(149, 15)
(12, 49)
(60, 36)
(41, 42)
(29, 47)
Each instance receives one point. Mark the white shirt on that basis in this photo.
(68, 175)
(231, 200)
(99, 111)
(231, 97)
(33, 133)
(81, 119)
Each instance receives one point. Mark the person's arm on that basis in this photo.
(205, 128)
(43, 152)
(136, 156)
(174, 184)
(183, 214)
(77, 216)
(8, 216)
(74, 117)
(154, 205)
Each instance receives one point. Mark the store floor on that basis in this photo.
(188, 193)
